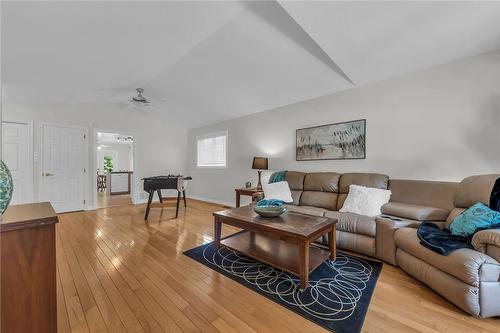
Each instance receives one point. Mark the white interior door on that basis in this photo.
(16, 155)
(63, 167)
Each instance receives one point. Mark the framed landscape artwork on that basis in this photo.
(339, 141)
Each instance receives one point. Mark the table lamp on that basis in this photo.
(259, 163)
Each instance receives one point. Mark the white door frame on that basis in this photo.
(29, 123)
(86, 160)
(133, 179)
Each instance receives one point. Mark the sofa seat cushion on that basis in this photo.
(415, 212)
(467, 265)
(354, 223)
(356, 243)
(308, 210)
(326, 200)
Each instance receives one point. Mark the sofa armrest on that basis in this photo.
(415, 212)
(487, 241)
(384, 239)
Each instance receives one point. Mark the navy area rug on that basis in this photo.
(337, 297)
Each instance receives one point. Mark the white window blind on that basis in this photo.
(212, 150)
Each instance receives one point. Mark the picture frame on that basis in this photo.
(336, 141)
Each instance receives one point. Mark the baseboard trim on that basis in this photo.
(194, 197)
(209, 200)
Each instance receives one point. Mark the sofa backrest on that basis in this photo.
(423, 192)
(375, 180)
(296, 182)
(321, 190)
(329, 190)
(475, 189)
(472, 190)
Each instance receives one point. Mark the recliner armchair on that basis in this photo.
(469, 278)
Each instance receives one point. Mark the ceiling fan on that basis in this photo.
(142, 103)
(139, 100)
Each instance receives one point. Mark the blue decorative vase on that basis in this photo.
(6, 187)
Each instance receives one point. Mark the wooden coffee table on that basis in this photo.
(283, 242)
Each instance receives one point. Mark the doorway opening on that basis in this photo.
(114, 169)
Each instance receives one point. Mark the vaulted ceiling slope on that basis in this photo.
(204, 62)
(373, 41)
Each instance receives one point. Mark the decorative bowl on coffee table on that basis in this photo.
(269, 211)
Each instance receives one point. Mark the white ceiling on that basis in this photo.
(206, 62)
(373, 41)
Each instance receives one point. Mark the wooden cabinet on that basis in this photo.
(28, 269)
(119, 182)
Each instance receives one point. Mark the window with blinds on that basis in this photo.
(212, 150)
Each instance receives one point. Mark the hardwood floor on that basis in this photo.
(105, 200)
(117, 273)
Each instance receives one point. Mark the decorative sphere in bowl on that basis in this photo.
(269, 211)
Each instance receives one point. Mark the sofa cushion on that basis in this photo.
(467, 265)
(296, 196)
(475, 189)
(308, 210)
(423, 192)
(374, 180)
(322, 181)
(415, 212)
(295, 180)
(327, 200)
(453, 214)
(354, 223)
(356, 242)
(296, 183)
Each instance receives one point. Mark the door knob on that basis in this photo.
(48, 174)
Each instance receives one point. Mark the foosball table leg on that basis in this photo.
(151, 193)
(184, 196)
(178, 199)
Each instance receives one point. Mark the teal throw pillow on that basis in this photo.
(478, 216)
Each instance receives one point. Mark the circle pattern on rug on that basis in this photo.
(333, 298)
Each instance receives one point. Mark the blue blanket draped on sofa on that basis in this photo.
(441, 240)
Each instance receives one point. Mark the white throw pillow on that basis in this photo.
(277, 191)
(265, 175)
(365, 200)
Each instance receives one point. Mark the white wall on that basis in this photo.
(123, 156)
(160, 145)
(439, 124)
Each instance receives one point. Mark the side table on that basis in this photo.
(245, 191)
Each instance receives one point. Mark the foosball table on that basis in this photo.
(170, 182)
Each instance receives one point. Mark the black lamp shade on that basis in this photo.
(259, 163)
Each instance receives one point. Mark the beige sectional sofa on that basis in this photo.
(468, 278)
